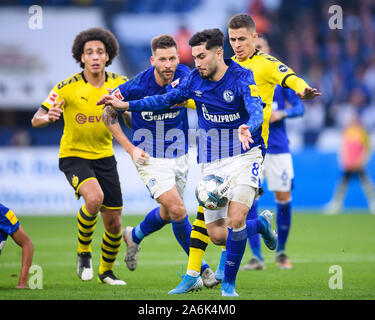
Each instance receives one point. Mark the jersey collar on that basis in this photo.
(84, 79)
(254, 54)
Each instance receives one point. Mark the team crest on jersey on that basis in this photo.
(75, 181)
(228, 96)
(282, 68)
(117, 94)
(52, 97)
(175, 83)
(152, 182)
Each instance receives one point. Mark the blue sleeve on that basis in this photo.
(165, 101)
(128, 91)
(254, 105)
(297, 109)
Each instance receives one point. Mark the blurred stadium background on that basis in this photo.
(340, 63)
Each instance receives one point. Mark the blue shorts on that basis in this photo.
(8, 224)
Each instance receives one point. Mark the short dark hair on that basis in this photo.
(109, 40)
(212, 38)
(163, 41)
(241, 21)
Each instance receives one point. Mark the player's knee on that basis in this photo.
(218, 236)
(177, 211)
(94, 201)
(236, 221)
(112, 223)
(218, 239)
(282, 196)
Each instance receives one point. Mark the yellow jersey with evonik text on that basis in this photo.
(85, 134)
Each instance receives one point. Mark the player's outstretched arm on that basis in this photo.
(110, 100)
(302, 89)
(43, 118)
(22, 239)
(159, 102)
(110, 119)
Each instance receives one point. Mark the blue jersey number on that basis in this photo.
(255, 170)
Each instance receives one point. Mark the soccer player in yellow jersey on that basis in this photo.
(86, 154)
(268, 72)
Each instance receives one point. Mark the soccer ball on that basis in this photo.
(213, 192)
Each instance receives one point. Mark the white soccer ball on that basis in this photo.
(213, 192)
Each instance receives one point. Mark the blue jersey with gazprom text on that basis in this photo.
(162, 133)
(222, 106)
(278, 140)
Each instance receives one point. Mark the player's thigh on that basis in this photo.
(172, 203)
(92, 192)
(279, 171)
(109, 181)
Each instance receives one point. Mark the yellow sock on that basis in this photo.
(86, 227)
(110, 248)
(199, 240)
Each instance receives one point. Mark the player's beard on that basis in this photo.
(162, 75)
(209, 74)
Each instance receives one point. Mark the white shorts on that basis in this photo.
(160, 174)
(278, 171)
(243, 171)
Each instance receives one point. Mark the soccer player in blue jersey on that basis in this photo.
(159, 150)
(230, 115)
(277, 170)
(9, 225)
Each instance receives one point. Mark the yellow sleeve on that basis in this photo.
(55, 95)
(281, 74)
(295, 83)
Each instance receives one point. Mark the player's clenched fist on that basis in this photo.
(139, 156)
(55, 111)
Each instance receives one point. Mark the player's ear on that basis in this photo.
(152, 60)
(219, 52)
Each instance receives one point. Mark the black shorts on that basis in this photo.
(78, 170)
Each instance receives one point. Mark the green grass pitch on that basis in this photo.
(316, 243)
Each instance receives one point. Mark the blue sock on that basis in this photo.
(254, 241)
(236, 245)
(182, 230)
(283, 220)
(253, 227)
(151, 223)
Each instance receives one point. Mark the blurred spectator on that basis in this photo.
(353, 157)
(21, 138)
(184, 50)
